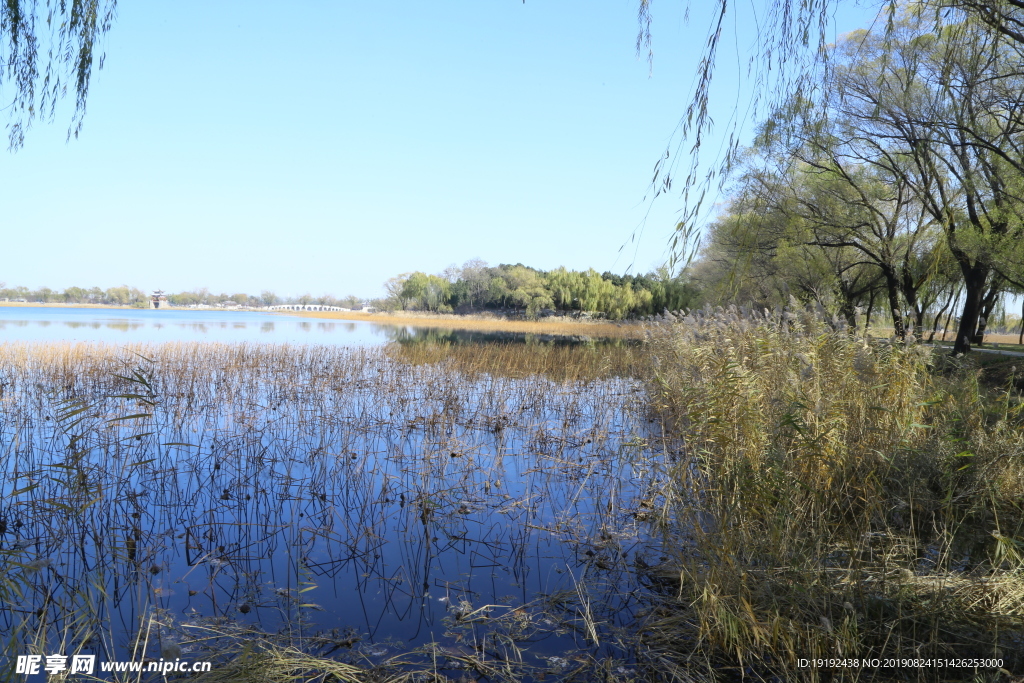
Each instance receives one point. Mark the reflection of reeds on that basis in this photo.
(561, 363)
(836, 497)
(245, 482)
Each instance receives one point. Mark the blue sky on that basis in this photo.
(324, 147)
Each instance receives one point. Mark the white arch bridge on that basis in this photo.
(305, 307)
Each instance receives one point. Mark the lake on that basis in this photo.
(459, 508)
(145, 326)
(119, 326)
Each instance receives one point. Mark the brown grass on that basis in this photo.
(561, 327)
(834, 497)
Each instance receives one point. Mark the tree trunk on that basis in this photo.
(867, 318)
(1020, 339)
(913, 302)
(975, 278)
(949, 316)
(918, 321)
(846, 308)
(938, 316)
(892, 287)
(988, 304)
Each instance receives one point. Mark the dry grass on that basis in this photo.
(834, 497)
(561, 327)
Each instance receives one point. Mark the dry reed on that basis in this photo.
(561, 326)
(834, 497)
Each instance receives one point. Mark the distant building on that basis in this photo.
(158, 300)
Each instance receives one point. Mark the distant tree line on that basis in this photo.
(133, 296)
(113, 296)
(527, 291)
(507, 289)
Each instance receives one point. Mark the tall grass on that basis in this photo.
(833, 497)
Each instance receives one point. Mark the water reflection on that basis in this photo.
(409, 503)
(435, 335)
(143, 326)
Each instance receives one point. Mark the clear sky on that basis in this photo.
(325, 146)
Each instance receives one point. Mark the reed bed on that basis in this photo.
(833, 496)
(561, 326)
(323, 513)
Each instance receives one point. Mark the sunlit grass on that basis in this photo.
(835, 497)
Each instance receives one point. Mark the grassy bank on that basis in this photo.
(834, 497)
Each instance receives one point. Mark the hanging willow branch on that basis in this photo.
(788, 62)
(46, 48)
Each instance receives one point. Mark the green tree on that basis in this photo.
(858, 214)
(427, 292)
(790, 56)
(527, 290)
(75, 295)
(119, 296)
(937, 112)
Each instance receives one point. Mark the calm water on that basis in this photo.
(54, 323)
(369, 505)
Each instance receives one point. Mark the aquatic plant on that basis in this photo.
(216, 500)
